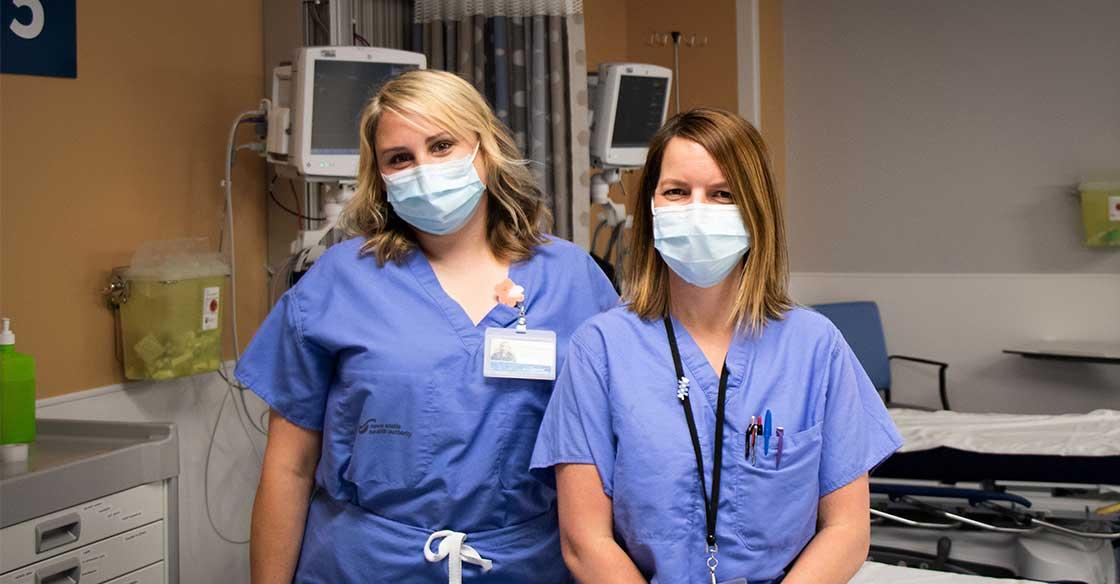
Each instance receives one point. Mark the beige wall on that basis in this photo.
(605, 24)
(620, 30)
(708, 74)
(130, 151)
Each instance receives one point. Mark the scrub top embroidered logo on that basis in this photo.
(372, 426)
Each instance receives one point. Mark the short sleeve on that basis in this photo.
(576, 428)
(286, 370)
(858, 433)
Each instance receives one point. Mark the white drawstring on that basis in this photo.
(452, 548)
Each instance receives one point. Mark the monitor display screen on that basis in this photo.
(342, 88)
(641, 102)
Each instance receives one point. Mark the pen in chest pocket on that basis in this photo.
(748, 438)
(767, 429)
(780, 432)
(754, 438)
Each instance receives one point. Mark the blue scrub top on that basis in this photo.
(389, 368)
(615, 406)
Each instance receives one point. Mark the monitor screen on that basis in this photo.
(641, 103)
(342, 88)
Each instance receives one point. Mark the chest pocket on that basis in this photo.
(389, 419)
(776, 506)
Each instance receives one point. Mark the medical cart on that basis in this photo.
(95, 503)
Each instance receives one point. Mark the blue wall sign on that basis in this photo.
(39, 37)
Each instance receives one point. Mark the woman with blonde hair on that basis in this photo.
(710, 430)
(395, 432)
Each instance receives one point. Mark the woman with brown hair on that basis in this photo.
(710, 429)
(400, 438)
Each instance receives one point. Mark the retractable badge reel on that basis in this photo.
(519, 353)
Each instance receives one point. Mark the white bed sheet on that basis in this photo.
(876, 573)
(1094, 434)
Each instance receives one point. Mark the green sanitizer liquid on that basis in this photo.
(17, 392)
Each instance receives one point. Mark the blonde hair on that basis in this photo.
(742, 157)
(516, 214)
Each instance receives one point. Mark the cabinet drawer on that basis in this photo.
(153, 574)
(50, 535)
(97, 562)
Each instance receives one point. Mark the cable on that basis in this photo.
(595, 234)
(241, 389)
(230, 152)
(259, 428)
(244, 117)
(206, 479)
(297, 213)
(622, 252)
(314, 10)
(227, 231)
(615, 231)
(360, 38)
(299, 204)
(283, 207)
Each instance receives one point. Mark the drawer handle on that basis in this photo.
(57, 532)
(68, 571)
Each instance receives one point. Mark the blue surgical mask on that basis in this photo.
(700, 242)
(436, 198)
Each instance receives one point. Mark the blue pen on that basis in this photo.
(767, 429)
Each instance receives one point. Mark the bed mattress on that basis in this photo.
(953, 446)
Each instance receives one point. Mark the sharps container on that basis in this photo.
(1100, 213)
(171, 314)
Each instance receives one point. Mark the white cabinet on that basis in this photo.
(119, 538)
(95, 503)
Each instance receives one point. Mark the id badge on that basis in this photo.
(528, 355)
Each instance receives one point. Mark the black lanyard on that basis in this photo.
(711, 508)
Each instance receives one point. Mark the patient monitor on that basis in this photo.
(629, 102)
(317, 104)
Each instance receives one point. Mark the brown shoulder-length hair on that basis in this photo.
(516, 214)
(742, 157)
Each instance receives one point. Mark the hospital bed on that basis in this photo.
(877, 573)
(996, 495)
(999, 495)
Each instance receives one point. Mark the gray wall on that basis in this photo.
(943, 136)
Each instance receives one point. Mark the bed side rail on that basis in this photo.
(1024, 521)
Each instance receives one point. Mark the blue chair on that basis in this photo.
(861, 326)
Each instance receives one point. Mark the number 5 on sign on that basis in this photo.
(31, 29)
